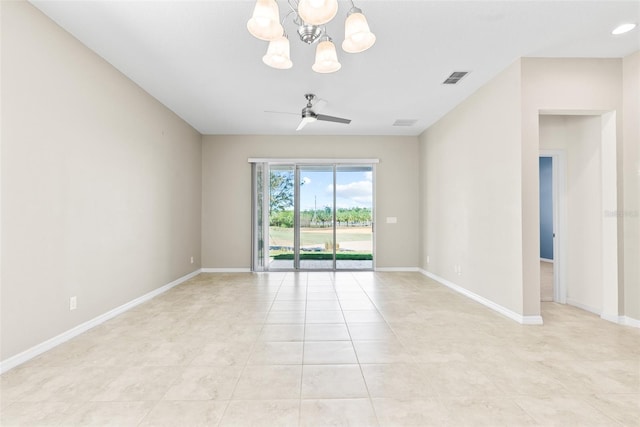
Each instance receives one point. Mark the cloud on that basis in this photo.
(357, 193)
(306, 180)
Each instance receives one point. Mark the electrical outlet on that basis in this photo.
(191, 260)
(427, 259)
(457, 268)
(73, 303)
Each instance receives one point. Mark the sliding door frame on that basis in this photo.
(297, 164)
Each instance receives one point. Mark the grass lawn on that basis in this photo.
(340, 256)
(318, 236)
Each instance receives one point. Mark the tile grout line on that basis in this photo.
(304, 338)
(246, 363)
(364, 380)
(386, 322)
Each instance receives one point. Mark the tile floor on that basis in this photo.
(325, 349)
(546, 281)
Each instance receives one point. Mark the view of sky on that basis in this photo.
(353, 189)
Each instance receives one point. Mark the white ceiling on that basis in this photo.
(197, 58)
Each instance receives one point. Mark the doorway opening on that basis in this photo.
(313, 215)
(578, 151)
(547, 230)
(552, 169)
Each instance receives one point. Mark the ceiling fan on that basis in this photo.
(310, 112)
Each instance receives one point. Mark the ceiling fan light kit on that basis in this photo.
(310, 16)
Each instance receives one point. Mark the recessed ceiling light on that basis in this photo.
(624, 28)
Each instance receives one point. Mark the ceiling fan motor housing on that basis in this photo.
(308, 113)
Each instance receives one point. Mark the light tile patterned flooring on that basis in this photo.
(329, 349)
(546, 281)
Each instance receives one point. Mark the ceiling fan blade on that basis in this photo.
(281, 112)
(319, 105)
(332, 119)
(304, 122)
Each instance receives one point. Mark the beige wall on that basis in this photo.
(557, 85)
(580, 139)
(226, 187)
(101, 184)
(470, 193)
(631, 182)
(106, 194)
(502, 119)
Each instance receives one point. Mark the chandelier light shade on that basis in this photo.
(357, 35)
(310, 17)
(326, 58)
(317, 12)
(265, 21)
(278, 54)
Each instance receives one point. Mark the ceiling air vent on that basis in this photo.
(405, 122)
(455, 77)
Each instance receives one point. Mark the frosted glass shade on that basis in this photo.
(265, 21)
(326, 58)
(317, 12)
(278, 54)
(357, 35)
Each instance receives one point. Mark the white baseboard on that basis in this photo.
(398, 269)
(588, 308)
(611, 318)
(620, 320)
(47, 345)
(524, 320)
(226, 270)
(629, 321)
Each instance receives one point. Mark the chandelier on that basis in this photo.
(310, 17)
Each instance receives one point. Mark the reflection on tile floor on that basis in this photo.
(322, 348)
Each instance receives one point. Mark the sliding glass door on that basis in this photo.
(312, 216)
(280, 223)
(315, 212)
(354, 217)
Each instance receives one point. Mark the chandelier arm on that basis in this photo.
(293, 4)
(285, 18)
(354, 9)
